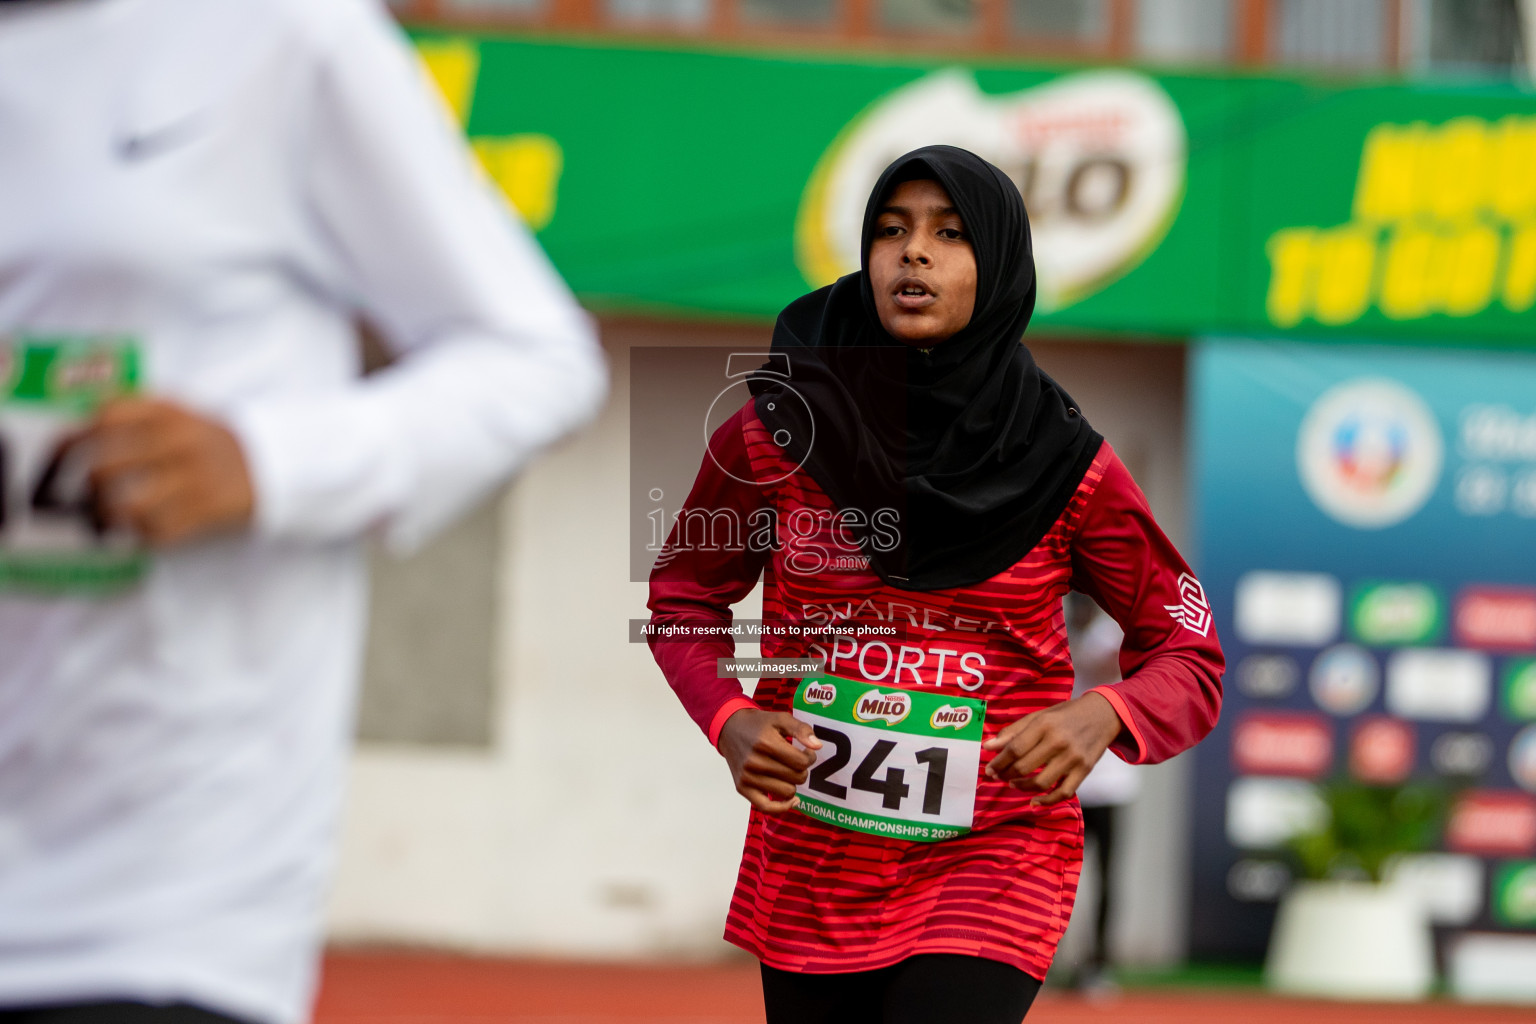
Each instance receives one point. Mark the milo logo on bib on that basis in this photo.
(889, 708)
(951, 718)
(820, 693)
(893, 762)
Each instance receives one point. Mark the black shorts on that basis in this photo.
(113, 1013)
(930, 988)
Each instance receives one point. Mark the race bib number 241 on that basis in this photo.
(893, 762)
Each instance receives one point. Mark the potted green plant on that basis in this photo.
(1343, 931)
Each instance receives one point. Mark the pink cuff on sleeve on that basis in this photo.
(1118, 703)
(727, 709)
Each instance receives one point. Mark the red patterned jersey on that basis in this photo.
(814, 897)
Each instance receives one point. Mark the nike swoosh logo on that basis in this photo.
(140, 146)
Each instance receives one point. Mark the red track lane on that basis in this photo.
(423, 988)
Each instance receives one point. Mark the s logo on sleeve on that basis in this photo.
(1193, 611)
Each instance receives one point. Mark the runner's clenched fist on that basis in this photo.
(165, 472)
(1063, 742)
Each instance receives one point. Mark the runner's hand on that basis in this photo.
(765, 765)
(169, 474)
(1063, 742)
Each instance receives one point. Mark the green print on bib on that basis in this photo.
(896, 763)
(50, 540)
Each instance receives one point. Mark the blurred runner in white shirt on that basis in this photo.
(204, 194)
(1095, 639)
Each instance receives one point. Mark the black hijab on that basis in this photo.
(976, 449)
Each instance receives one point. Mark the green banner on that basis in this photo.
(712, 183)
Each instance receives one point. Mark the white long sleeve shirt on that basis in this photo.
(230, 181)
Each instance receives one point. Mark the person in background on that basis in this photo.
(1096, 639)
(197, 200)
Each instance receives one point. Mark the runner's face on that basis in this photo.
(921, 265)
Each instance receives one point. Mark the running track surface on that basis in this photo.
(424, 988)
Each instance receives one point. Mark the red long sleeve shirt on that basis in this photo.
(813, 897)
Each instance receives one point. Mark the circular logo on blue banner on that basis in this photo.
(1369, 453)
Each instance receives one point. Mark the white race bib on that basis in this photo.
(50, 540)
(893, 762)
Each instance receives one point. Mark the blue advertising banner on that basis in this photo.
(1366, 532)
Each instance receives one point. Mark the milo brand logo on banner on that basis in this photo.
(1099, 157)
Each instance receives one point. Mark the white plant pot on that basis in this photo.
(1351, 940)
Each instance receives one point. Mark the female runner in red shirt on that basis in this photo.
(918, 497)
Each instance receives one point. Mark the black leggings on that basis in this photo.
(113, 1013)
(930, 988)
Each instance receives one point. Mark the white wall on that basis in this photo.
(600, 823)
